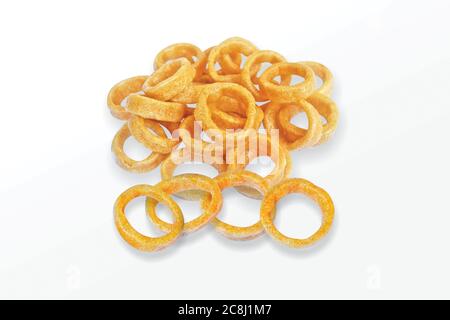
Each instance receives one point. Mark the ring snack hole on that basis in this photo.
(190, 209)
(135, 212)
(135, 150)
(246, 215)
(262, 165)
(296, 79)
(263, 67)
(297, 216)
(300, 120)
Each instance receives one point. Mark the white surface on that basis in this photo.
(386, 168)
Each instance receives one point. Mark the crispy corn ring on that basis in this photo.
(169, 165)
(169, 80)
(239, 179)
(148, 164)
(281, 158)
(324, 74)
(309, 138)
(187, 182)
(156, 142)
(228, 47)
(149, 108)
(120, 91)
(131, 235)
(255, 60)
(287, 93)
(326, 108)
(181, 50)
(302, 186)
(203, 112)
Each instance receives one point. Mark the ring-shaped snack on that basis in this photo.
(180, 50)
(156, 141)
(320, 196)
(131, 235)
(203, 111)
(256, 146)
(238, 179)
(149, 108)
(324, 74)
(170, 79)
(254, 61)
(124, 161)
(312, 134)
(120, 91)
(287, 93)
(326, 108)
(228, 47)
(183, 183)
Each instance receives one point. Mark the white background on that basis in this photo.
(387, 167)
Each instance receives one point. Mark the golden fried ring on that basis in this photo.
(324, 74)
(239, 179)
(326, 108)
(131, 235)
(180, 50)
(148, 164)
(287, 93)
(187, 182)
(281, 158)
(190, 94)
(120, 91)
(313, 133)
(203, 112)
(169, 80)
(149, 108)
(254, 61)
(157, 142)
(228, 47)
(302, 186)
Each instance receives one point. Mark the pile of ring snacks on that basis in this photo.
(227, 93)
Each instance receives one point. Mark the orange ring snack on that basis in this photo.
(157, 141)
(305, 187)
(239, 179)
(255, 60)
(309, 138)
(281, 158)
(149, 108)
(324, 74)
(148, 164)
(326, 108)
(120, 91)
(203, 111)
(169, 80)
(228, 47)
(287, 93)
(180, 50)
(182, 183)
(131, 235)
